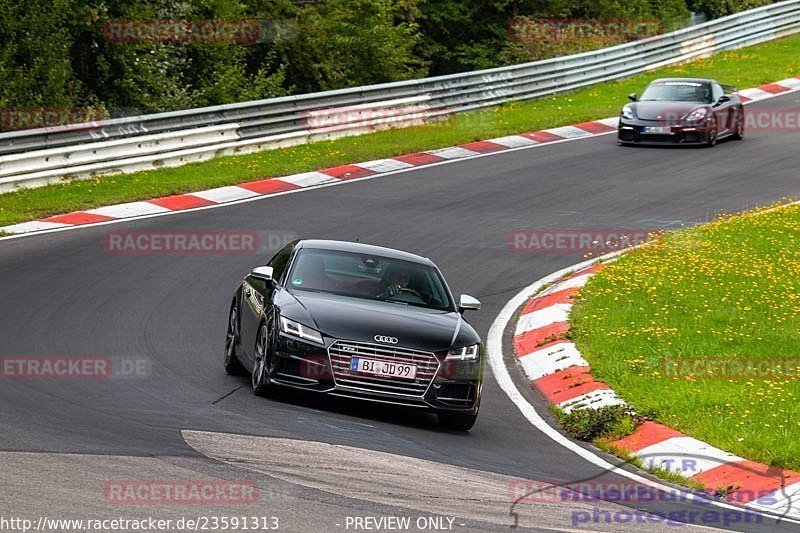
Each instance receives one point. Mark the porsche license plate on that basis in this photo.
(383, 368)
(657, 129)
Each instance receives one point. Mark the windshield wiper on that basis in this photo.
(390, 300)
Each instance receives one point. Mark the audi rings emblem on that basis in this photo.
(385, 339)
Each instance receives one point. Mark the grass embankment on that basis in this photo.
(701, 331)
(748, 67)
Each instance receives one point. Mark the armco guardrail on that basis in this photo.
(31, 158)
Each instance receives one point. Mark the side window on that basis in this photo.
(717, 92)
(279, 262)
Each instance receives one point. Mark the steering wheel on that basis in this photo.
(411, 291)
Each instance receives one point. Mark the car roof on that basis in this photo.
(361, 248)
(693, 80)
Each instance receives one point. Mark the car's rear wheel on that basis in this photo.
(712, 132)
(261, 382)
(739, 133)
(455, 421)
(232, 364)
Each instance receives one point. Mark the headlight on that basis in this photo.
(467, 353)
(696, 115)
(299, 330)
(627, 112)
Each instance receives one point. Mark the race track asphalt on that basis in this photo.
(63, 294)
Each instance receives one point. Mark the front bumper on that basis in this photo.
(632, 131)
(453, 387)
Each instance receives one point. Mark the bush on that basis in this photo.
(720, 8)
(612, 422)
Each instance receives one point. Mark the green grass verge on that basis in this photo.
(747, 67)
(701, 330)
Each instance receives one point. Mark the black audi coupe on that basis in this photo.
(359, 321)
(682, 111)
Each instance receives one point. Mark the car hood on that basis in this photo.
(357, 319)
(669, 111)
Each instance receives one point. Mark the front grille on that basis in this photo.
(341, 352)
(658, 138)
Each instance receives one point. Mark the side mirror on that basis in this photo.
(633, 97)
(466, 302)
(724, 98)
(264, 273)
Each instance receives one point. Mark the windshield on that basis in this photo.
(370, 277)
(677, 91)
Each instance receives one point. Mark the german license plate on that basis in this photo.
(383, 368)
(657, 129)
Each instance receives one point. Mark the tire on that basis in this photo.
(260, 380)
(712, 132)
(232, 364)
(457, 422)
(739, 134)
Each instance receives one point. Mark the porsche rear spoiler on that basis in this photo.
(729, 88)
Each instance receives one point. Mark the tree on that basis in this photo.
(345, 43)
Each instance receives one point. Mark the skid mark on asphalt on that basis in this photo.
(215, 402)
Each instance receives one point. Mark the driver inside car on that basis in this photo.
(702, 94)
(395, 281)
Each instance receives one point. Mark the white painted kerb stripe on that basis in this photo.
(308, 179)
(550, 360)
(755, 94)
(611, 121)
(34, 225)
(685, 456)
(592, 400)
(792, 83)
(569, 132)
(786, 500)
(572, 283)
(225, 194)
(131, 209)
(543, 317)
(456, 152)
(512, 141)
(384, 165)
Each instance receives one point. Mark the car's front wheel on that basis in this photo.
(739, 133)
(712, 132)
(232, 364)
(456, 421)
(261, 381)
